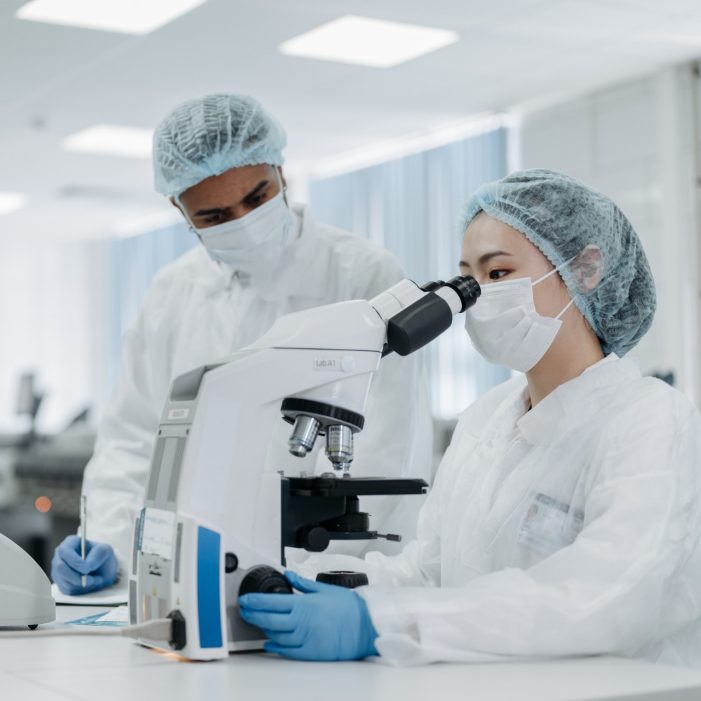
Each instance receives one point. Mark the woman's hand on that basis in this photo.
(325, 623)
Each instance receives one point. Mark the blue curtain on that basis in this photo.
(412, 206)
(132, 264)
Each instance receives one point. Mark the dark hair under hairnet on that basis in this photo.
(562, 217)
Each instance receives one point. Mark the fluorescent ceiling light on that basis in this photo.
(11, 202)
(368, 42)
(111, 140)
(129, 16)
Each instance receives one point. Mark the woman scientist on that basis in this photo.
(566, 514)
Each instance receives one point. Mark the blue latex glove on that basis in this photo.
(67, 566)
(326, 623)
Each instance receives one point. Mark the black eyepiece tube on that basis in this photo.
(427, 318)
(418, 324)
(467, 288)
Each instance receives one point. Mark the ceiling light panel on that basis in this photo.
(111, 140)
(368, 42)
(128, 16)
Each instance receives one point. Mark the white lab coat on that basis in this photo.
(569, 529)
(196, 312)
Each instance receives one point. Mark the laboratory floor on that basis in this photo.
(115, 669)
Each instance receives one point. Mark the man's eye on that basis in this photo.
(496, 274)
(255, 200)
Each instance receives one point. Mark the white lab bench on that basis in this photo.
(117, 669)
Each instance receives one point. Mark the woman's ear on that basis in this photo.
(588, 268)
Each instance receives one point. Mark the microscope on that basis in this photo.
(218, 511)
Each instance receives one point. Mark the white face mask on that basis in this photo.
(505, 327)
(253, 243)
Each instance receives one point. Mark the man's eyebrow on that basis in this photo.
(486, 258)
(257, 189)
(207, 212)
(219, 210)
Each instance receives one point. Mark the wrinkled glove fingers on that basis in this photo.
(306, 586)
(67, 579)
(277, 603)
(269, 622)
(95, 582)
(97, 555)
(74, 560)
(294, 638)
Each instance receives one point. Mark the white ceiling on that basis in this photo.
(57, 80)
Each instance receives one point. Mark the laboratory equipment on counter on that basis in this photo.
(53, 466)
(29, 400)
(218, 513)
(48, 473)
(25, 591)
(28, 404)
(8, 483)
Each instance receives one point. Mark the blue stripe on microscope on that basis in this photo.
(208, 596)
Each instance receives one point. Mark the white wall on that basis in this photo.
(636, 143)
(50, 319)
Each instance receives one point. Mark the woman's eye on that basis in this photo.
(497, 274)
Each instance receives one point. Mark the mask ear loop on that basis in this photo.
(567, 306)
(190, 225)
(188, 221)
(552, 272)
(283, 187)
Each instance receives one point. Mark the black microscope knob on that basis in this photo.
(231, 563)
(350, 580)
(264, 580)
(315, 539)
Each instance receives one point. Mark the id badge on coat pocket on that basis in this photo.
(549, 525)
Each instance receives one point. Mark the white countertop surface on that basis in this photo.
(117, 669)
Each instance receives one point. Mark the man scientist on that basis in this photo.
(219, 161)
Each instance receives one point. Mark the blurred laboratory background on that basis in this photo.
(395, 112)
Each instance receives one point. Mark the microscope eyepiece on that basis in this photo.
(467, 288)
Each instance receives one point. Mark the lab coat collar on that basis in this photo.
(573, 402)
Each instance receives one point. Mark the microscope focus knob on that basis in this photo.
(350, 580)
(264, 580)
(314, 539)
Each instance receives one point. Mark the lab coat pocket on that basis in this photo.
(549, 525)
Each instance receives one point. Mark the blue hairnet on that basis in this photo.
(562, 217)
(210, 135)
